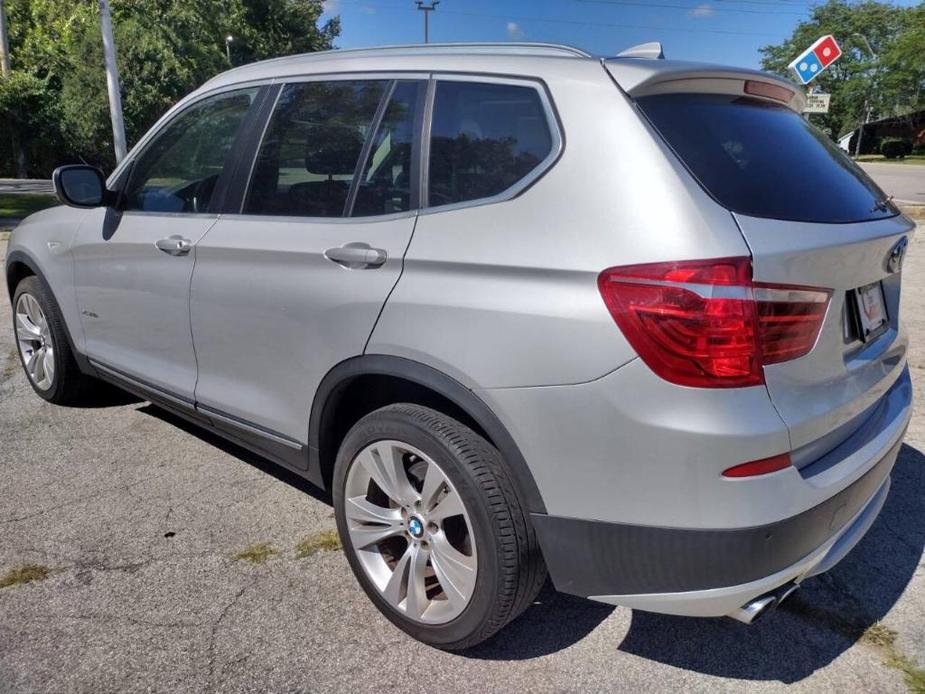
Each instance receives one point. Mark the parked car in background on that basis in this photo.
(630, 321)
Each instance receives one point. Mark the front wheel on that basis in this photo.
(43, 346)
(432, 526)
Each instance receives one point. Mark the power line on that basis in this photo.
(608, 25)
(577, 22)
(704, 6)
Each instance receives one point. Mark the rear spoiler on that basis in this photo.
(647, 77)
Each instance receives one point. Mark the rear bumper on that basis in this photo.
(709, 572)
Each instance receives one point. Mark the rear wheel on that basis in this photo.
(43, 346)
(432, 526)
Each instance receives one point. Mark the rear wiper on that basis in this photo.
(883, 205)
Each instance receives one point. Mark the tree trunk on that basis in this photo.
(19, 152)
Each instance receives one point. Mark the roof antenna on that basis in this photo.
(652, 50)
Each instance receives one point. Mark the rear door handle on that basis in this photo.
(174, 245)
(357, 256)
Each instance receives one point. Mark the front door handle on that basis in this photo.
(174, 245)
(357, 256)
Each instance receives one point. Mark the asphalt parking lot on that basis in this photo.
(149, 534)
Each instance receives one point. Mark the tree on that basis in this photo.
(166, 48)
(882, 79)
(29, 115)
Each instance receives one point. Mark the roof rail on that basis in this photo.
(652, 51)
(501, 47)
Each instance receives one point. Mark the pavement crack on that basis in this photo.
(213, 632)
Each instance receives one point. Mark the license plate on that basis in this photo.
(872, 318)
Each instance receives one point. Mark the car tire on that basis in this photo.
(39, 328)
(503, 570)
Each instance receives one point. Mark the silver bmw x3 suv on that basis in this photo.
(628, 321)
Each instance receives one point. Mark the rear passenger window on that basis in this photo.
(385, 183)
(309, 153)
(484, 139)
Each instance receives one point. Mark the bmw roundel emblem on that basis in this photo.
(415, 527)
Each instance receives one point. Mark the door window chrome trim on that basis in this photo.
(556, 133)
(297, 219)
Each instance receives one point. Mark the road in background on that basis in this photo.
(138, 517)
(26, 185)
(905, 182)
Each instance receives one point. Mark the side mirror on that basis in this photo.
(81, 186)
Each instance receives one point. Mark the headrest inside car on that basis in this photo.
(332, 149)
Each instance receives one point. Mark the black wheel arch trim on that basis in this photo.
(423, 375)
(21, 257)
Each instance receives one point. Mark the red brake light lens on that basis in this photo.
(770, 91)
(706, 324)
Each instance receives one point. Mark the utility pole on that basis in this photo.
(427, 9)
(112, 82)
(4, 43)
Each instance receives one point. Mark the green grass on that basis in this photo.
(912, 159)
(21, 205)
(326, 540)
(256, 553)
(26, 573)
(884, 639)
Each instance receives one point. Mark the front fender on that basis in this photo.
(41, 245)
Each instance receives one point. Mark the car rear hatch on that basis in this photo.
(812, 219)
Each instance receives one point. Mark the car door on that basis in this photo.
(133, 264)
(294, 284)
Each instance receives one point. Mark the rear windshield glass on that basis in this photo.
(764, 160)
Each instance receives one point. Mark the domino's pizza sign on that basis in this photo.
(816, 58)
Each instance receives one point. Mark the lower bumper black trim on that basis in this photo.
(596, 558)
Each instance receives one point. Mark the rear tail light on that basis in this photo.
(706, 324)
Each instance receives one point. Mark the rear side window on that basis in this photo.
(310, 151)
(764, 160)
(484, 139)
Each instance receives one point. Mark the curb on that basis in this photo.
(916, 212)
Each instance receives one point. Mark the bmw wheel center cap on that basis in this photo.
(416, 528)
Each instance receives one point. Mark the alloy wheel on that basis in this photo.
(33, 337)
(411, 532)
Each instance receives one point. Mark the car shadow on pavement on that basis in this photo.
(239, 452)
(822, 620)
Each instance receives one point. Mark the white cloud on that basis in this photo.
(367, 9)
(514, 32)
(331, 6)
(701, 11)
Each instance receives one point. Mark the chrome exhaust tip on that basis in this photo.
(751, 612)
(785, 592)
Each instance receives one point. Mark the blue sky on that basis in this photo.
(721, 31)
